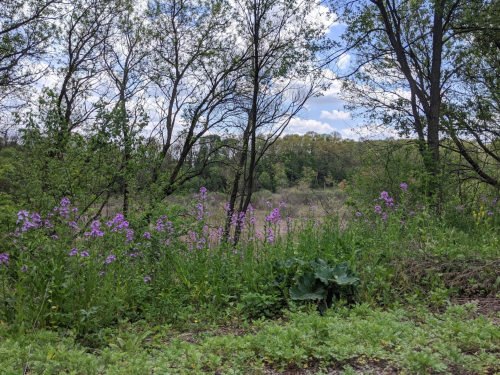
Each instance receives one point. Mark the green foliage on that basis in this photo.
(315, 281)
(405, 340)
(256, 305)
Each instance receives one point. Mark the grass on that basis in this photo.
(405, 341)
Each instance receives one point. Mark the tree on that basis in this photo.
(283, 73)
(471, 119)
(26, 30)
(125, 60)
(404, 66)
(195, 70)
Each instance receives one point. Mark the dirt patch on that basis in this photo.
(488, 306)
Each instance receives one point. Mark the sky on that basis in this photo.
(326, 114)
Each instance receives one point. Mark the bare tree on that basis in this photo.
(78, 67)
(125, 60)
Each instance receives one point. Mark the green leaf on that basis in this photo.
(343, 275)
(317, 264)
(325, 274)
(308, 288)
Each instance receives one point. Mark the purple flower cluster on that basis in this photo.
(389, 202)
(275, 216)
(4, 258)
(270, 236)
(96, 232)
(164, 226)
(118, 224)
(109, 259)
(23, 217)
(200, 206)
(74, 251)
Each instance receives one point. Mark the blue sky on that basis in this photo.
(326, 114)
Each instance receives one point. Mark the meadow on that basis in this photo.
(390, 286)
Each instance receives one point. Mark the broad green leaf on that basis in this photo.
(324, 274)
(308, 288)
(343, 275)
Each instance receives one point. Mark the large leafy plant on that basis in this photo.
(316, 281)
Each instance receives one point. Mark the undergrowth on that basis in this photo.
(69, 284)
(407, 342)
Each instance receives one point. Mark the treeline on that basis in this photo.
(116, 98)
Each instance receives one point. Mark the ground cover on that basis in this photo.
(362, 338)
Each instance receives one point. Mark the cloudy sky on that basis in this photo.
(326, 114)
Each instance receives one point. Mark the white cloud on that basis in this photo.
(343, 61)
(302, 126)
(321, 14)
(330, 96)
(373, 131)
(335, 115)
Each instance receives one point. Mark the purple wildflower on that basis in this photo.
(4, 258)
(130, 236)
(96, 232)
(147, 278)
(73, 251)
(359, 214)
(404, 186)
(109, 259)
(270, 235)
(74, 225)
(84, 254)
(147, 235)
(274, 217)
(22, 215)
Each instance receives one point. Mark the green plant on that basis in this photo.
(256, 305)
(315, 281)
(130, 342)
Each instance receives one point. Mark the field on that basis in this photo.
(385, 288)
